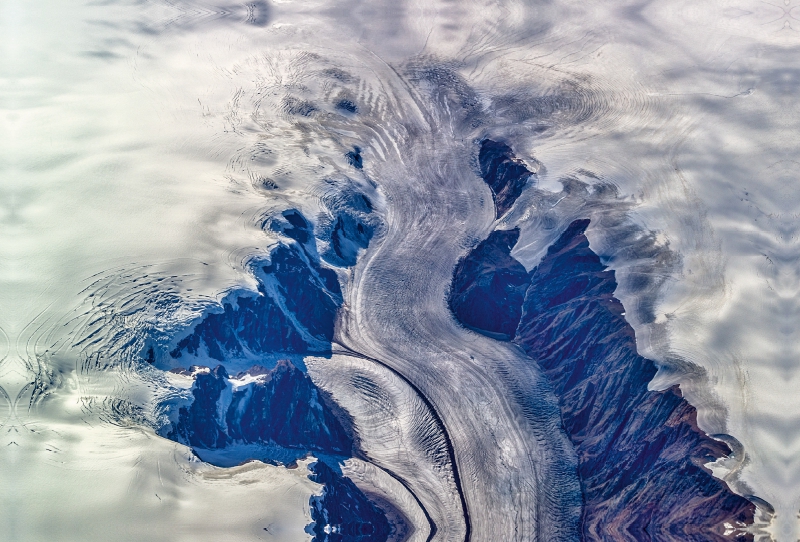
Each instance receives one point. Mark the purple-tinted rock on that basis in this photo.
(489, 286)
(505, 174)
(640, 452)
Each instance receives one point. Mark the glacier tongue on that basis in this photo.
(155, 155)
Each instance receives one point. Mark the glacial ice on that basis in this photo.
(348, 215)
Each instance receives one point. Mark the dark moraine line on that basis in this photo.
(318, 431)
(448, 442)
(402, 482)
(282, 407)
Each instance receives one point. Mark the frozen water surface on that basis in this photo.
(286, 188)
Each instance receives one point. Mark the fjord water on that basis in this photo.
(143, 143)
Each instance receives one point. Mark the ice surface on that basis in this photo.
(151, 152)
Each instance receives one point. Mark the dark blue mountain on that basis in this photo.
(489, 286)
(198, 424)
(293, 312)
(343, 513)
(640, 453)
(503, 172)
(279, 406)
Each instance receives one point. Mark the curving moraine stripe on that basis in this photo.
(448, 442)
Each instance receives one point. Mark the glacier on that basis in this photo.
(398, 271)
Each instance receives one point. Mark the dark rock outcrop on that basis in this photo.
(505, 174)
(293, 312)
(354, 157)
(640, 453)
(347, 105)
(199, 424)
(343, 513)
(348, 225)
(489, 286)
(294, 226)
(281, 406)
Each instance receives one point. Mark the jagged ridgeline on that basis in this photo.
(640, 453)
(279, 414)
(298, 296)
(280, 406)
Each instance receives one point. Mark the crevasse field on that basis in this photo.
(368, 271)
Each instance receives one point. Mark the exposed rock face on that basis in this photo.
(281, 406)
(348, 225)
(343, 513)
(503, 172)
(640, 453)
(293, 312)
(489, 286)
(199, 424)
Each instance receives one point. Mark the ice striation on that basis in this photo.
(282, 408)
(641, 454)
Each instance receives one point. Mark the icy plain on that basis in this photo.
(144, 146)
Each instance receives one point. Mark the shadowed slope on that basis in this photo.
(489, 286)
(281, 406)
(293, 312)
(343, 513)
(640, 452)
(503, 172)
